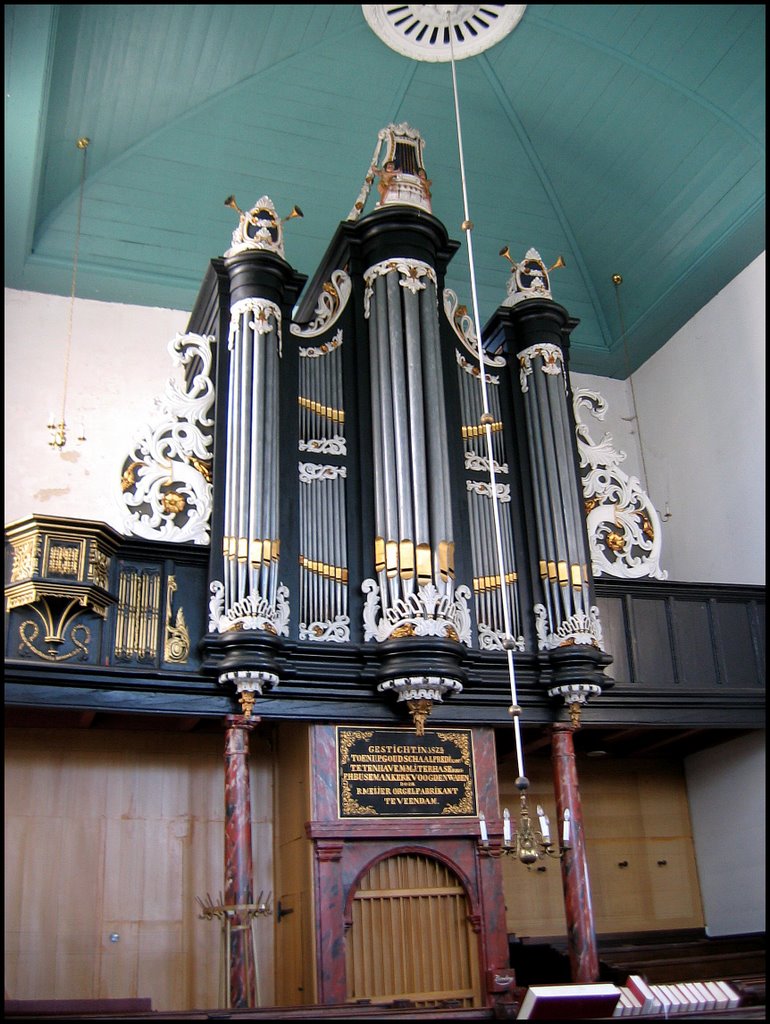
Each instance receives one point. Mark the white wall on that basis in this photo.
(701, 402)
(119, 363)
(701, 407)
(726, 791)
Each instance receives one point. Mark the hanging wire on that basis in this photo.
(60, 436)
(486, 422)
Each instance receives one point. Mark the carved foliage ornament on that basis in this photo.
(331, 304)
(553, 362)
(266, 317)
(251, 613)
(414, 276)
(624, 529)
(462, 324)
(577, 629)
(166, 488)
(425, 613)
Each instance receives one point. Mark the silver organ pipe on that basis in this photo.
(323, 610)
(413, 525)
(250, 545)
(488, 585)
(562, 555)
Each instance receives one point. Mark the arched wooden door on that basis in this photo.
(410, 936)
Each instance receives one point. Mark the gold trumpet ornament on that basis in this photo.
(529, 278)
(260, 227)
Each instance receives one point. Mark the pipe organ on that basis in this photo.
(354, 516)
(396, 515)
(357, 503)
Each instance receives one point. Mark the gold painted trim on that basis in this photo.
(338, 573)
(406, 559)
(424, 564)
(379, 554)
(335, 415)
(480, 431)
(176, 643)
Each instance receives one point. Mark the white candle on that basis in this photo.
(545, 825)
(565, 834)
(507, 827)
(483, 829)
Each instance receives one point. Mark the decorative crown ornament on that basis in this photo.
(259, 228)
(529, 278)
(401, 178)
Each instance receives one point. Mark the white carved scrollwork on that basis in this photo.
(553, 362)
(577, 629)
(250, 613)
(494, 639)
(312, 471)
(414, 275)
(624, 529)
(325, 446)
(261, 323)
(331, 304)
(335, 631)
(481, 487)
(425, 613)
(166, 479)
(321, 350)
(463, 326)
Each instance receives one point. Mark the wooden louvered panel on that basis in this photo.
(410, 937)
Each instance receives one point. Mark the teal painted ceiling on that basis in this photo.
(629, 139)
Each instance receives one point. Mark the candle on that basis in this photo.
(507, 827)
(566, 828)
(545, 826)
(483, 829)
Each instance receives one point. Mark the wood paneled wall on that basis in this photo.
(112, 832)
(295, 982)
(639, 844)
(116, 833)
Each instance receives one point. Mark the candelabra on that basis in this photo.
(59, 433)
(237, 917)
(523, 839)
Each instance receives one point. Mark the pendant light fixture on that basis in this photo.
(58, 427)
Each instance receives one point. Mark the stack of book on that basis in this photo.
(568, 1002)
(638, 998)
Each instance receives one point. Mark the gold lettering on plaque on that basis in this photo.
(395, 773)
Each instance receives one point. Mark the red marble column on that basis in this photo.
(581, 936)
(239, 871)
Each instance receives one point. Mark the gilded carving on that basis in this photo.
(331, 304)
(176, 645)
(165, 482)
(63, 560)
(25, 559)
(624, 530)
(59, 628)
(99, 567)
(136, 629)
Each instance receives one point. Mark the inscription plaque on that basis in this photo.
(394, 773)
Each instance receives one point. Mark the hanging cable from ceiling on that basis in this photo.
(487, 421)
(58, 429)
